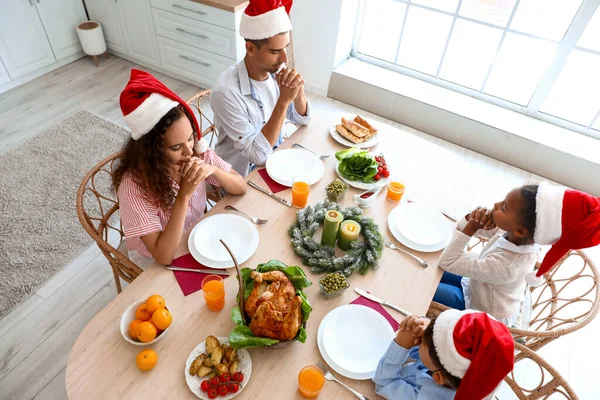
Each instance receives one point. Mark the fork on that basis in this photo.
(257, 221)
(298, 145)
(329, 376)
(392, 246)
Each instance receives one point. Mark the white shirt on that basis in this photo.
(267, 94)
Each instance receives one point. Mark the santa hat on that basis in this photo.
(474, 347)
(567, 220)
(145, 100)
(264, 19)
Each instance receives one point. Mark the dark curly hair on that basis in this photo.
(146, 160)
(528, 211)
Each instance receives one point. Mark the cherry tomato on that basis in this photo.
(377, 177)
(238, 377)
(385, 173)
(233, 387)
(214, 381)
(222, 389)
(224, 378)
(205, 385)
(379, 170)
(212, 393)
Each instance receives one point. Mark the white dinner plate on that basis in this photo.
(420, 227)
(359, 184)
(345, 142)
(194, 382)
(352, 339)
(240, 235)
(285, 165)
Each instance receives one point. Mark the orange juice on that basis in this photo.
(310, 382)
(214, 292)
(395, 191)
(300, 190)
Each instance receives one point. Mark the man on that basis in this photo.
(253, 97)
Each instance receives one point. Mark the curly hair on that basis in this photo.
(146, 160)
(528, 210)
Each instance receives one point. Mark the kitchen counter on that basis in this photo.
(227, 5)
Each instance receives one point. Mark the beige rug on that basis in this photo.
(39, 229)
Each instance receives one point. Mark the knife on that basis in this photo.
(202, 271)
(369, 296)
(273, 196)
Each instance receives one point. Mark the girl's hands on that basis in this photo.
(193, 173)
(481, 218)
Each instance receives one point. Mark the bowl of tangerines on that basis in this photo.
(146, 322)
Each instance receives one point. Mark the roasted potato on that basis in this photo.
(203, 371)
(196, 364)
(216, 355)
(211, 344)
(207, 362)
(234, 367)
(230, 354)
(222, 369)
(212, 375)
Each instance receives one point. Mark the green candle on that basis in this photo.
(331, 226)
(349, 232)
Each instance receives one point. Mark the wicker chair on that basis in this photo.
(99, 222)
(566, 302)
(548, 385)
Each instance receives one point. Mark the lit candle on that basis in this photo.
(331, 226)
(349, 232)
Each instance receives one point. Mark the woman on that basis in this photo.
(162, 175)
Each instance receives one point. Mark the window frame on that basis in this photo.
(565, 47)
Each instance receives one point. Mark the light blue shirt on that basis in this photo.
(396, 381)
(240, 117)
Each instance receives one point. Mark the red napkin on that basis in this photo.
(363, 301)
(190, 282)
(274, 186)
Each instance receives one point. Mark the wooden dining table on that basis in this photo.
(102, 364)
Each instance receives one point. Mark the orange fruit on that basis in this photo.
(142, 313)
(162, 318)
(154, 302)
(147, 332)
(146, 360)
(134, 328)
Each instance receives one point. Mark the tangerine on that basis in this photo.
(154, 302)
(146, 360)
(162, 318)
(134, 328)
(142, 313)
(147, 332)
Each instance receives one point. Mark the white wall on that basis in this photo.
(315, 35)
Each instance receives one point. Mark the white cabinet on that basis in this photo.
(3, 74)
(24, 47)
(136, 20)
(60, 19)
(107, 13)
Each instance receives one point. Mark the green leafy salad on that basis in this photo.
(357, 165)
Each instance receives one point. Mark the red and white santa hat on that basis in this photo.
(474, 347)
(264, 19)
(145, 100)
(567, 220)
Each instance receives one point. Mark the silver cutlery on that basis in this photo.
(270, 194)
(321, 156)
(201, 271)
(369, 296)
(257, 221)
(392, 246)
(329, 376)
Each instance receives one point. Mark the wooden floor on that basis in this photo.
(36, 337)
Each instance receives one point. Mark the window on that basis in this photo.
(539, 57)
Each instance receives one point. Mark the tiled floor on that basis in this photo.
(35, 338)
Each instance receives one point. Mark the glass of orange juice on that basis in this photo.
(214, 292)
(395, 191)
(300, 190)
(310, 382)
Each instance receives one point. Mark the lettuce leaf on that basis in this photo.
(359, 165)
(242, 337)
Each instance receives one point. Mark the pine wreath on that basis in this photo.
(322, 259)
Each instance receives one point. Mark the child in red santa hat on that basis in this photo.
(494, 281)
(461, 355)
(163, 170)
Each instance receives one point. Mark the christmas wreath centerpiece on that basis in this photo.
(361, 256)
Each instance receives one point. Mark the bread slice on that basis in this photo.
(356, 129)
(363, 122)
(347, 134)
